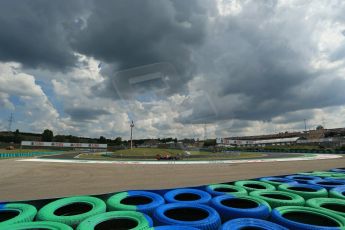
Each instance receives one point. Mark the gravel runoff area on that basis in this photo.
(38, 180)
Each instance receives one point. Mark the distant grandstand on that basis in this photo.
(319, 136)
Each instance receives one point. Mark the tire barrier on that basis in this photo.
(186, 195)
(46, 225)
(276, 181)
(307, 191)
(251, 223)
(308, 202)
(340, 170)
(222, 189)
(306, 218)
(16, 213)
(231, 207)
(141, 201)
(337, 192)
(327, 184)
(193, 215)
(334, 205)
(119, 219)
(71, 210)
(252, 185)
(174, 227)
(301, 178)
(279, 198)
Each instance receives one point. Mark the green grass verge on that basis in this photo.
(149, 153)
(154, 151)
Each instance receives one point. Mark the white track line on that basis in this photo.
(314, 157)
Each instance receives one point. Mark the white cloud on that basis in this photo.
(33, 108)
(263, 66)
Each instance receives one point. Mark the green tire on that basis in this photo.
(337, 175)
(318, 174)
(298, 217)
(46, 225)
(71, 210)
(304, 191)
(334, 205)
(122, 219)
(337, 192)
(221, 189)
(279, 198)
(252, 185)
(16, 213)
(114, 203)
(323, 173)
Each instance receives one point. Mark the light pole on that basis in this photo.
(132, 126)
(305, 124)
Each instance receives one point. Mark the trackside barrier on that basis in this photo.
(289, 150)
(25, 154)
(265, 206)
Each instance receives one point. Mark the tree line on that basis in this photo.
(48, 136)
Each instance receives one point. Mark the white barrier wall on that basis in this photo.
(63, 144)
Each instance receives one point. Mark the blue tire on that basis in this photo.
(337, 192)
(187, 195)
(251, 223)
(174, 227)
(231, 207)
(335, 178)
(306, 218)
(327, 184)
(276, 181)
(223, 189)
(340, 170)
(302, 178)
(141, 201)
(183, 214)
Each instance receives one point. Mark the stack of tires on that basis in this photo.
(313, 200)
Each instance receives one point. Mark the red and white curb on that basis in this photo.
(304, 158)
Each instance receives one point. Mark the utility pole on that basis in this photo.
(132, 126)
(10, 121)
(305, 124)
(205, 132)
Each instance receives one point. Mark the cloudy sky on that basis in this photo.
(177, 68)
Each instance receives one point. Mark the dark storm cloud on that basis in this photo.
(86, 113)
(33, 32)
(253, 65)
(257, 67)
(132, 34)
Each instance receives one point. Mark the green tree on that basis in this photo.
(102, 140)
(118, 141)
(47, 135)
(17, 137)
(73, 139)
(59, 138)
(210, 142)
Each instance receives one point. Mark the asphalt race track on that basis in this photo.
(25, 180)
(266, 156)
